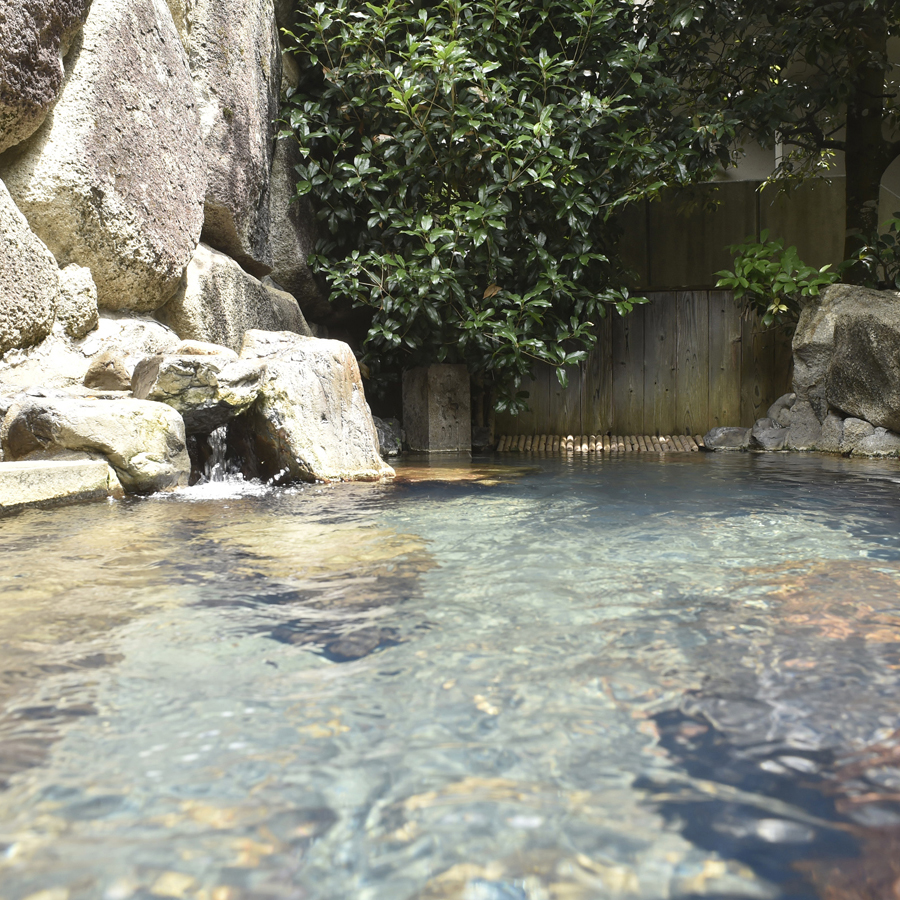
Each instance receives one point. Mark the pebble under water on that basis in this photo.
(638, 677)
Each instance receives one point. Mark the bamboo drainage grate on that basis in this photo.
(603, 443)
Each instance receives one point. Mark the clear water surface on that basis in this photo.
(645, 677)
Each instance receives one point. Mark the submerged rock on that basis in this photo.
(144, 442)
(311, 421)
(727, 437)
(207, 390)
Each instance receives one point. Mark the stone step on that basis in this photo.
(50, 481)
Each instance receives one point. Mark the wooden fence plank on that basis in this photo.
(724, 361)
(757, 359)
(597, 381)
(565, 403)
(628, 372)
(692, 375)
(660, 355)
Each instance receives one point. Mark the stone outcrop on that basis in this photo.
(292, 232)
(218, 302)
(832, 328)
(235, 60)
(863, 377)
(60, 361)
(114, 180)
(207, 390)
(34, 37)
(311, 421)
(29, 284)
(144, 442)
(76, 310)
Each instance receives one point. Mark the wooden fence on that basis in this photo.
(682, 364)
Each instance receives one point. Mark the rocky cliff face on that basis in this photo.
(130, 130)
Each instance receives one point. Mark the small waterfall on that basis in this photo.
(216, 468)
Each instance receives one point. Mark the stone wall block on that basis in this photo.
(235, 61)
(29, 280)
(218, 302)
(437, 412)
(115, 178)
(77, 310)
(34, 37)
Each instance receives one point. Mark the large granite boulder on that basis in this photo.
(816, 342)
(144, 442)
(218, 302)
(863, 377)
(29, 280)
(115, 178)
(311, 421)
(60, 361)
(235, 60)
(34, 37)
(207, 390)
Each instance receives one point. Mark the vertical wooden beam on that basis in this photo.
(724, 361)
(660, 354)
(628, 372)
(692, 375)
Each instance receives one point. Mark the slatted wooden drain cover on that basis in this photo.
(599, 443)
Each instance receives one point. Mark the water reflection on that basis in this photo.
(603, 678)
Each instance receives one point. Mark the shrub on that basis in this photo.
(466, 160)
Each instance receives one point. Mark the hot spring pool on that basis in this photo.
(645, 677)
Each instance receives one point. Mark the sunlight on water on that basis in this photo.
(636, 677)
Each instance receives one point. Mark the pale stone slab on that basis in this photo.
(45, 481)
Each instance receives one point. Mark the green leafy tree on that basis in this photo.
(812, 74)
(466, 160)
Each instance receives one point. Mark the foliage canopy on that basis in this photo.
(466, 160)
(814, 76)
